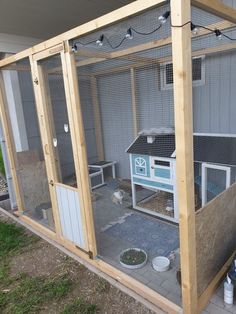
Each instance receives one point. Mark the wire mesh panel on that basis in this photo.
(58, 119)
(128, 117)
(125, 96)
(213, 71)
(24, 124)
(65, 184)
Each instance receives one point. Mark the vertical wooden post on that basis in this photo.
(11, 152)
(97, 119)
(76, 156)
(134, 101)
(49, 112)
(45, 132)
(74, 99)
(182, 71)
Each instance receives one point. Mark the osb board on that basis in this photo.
(27, 157)
(34, 184)
(215, 236)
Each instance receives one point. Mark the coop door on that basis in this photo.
(63, 150)
(215, 179)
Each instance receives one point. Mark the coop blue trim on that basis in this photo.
(153, 184)
(141, 169)
(162, 173)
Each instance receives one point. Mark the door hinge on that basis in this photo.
(90, 254)
(51, 183)
(36, 81)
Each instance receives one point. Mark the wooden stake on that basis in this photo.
(182, 70)
(97, 119)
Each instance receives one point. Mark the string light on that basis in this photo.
(129, 34)
(218, 34)
(99, 41)
(74, 48)
(162, 19)
(194, 29)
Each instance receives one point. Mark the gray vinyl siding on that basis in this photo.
(59, 102)
(154, 106)
(88, 118)
(214, 103)
(29, 109)
(116, 116)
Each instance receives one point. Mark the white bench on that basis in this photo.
(96, 170)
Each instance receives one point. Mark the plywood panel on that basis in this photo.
(70, 215)
(34, 184)
(215, 236)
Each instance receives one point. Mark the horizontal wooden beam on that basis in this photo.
(95, 54)
(216, 7)
(115, 16)
(92, 53)
(17, 67)
(155, 44)
(205, 52)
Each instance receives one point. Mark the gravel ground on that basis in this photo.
(3, 185)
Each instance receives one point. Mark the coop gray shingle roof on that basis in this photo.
(214, 149)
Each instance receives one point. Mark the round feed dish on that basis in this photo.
(161, 263)
(135, 266)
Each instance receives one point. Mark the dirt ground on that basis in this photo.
(42, 259)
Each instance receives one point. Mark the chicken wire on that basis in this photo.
(27, 144)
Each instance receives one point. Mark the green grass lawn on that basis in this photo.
(2, 168)
(22, 293)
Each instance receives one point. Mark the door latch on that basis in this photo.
(36, 81)
(51, 183)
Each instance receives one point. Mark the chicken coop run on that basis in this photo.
(121, 133)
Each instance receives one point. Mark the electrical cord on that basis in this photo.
(129, 35)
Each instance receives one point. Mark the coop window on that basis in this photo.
(198, 73)
(162, 163)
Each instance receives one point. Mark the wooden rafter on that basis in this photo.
(156, 44)
(218, 8)
(115, 16)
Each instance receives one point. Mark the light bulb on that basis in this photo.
(194, 29)
(129, 34)
(66, 127)
(99, 42)
(163, 18)
(74, 48)
(218, 34)
(54, 142)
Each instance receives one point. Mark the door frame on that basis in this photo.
(68, 69)
(206, 166)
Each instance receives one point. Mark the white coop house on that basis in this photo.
(153, 168)
(152, 164)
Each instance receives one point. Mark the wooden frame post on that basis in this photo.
(182, 71)
(41, 98)
(134, 101)
(11, 152)
(69, 65)
(97, 118)
(49, 112)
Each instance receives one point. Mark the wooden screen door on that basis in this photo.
(64, 160)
